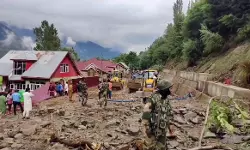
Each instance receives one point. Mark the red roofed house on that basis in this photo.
(21, 69)
(95, 67)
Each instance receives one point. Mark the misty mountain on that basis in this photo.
(85, 50)
(9, 40)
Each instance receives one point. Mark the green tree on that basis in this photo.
(46, 37)
(213, 41)
(72, 52)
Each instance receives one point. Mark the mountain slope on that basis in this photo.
(85, 50)
(9, 40)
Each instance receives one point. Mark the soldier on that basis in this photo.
(103, 93)
(156, 117)
(82, 89)
(157, 114)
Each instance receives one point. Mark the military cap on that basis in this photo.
(164, 84)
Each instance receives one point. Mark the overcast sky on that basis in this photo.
(130, 24)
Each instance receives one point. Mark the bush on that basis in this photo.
(213, 41)
(243, 34)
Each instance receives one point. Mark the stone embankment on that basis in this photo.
(202, 82)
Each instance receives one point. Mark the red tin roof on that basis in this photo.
(103, 65)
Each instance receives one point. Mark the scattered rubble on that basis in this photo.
(62, 125)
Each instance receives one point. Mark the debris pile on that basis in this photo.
(61, 125)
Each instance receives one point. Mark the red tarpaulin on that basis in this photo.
(41, 93)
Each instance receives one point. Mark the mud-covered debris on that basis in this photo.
(209, 134)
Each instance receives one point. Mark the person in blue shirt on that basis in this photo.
(17, 101)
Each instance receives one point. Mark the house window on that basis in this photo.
(64, 68)
(17, 86)
(19, 67)
(35, 85)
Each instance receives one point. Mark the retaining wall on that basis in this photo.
(203, 82)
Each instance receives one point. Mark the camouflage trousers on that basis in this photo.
(103, 98)
(150, 142)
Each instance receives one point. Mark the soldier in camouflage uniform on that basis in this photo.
(82, 89)
(103, 93)
(156, 117)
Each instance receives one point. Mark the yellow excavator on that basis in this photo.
(117, 80)
(148, 85)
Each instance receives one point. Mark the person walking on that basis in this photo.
(52, 89)
(27, 103)
(2, 103)
(17, 101)
(9, 101)
(110, 89)
(66, 89)
(70, 89)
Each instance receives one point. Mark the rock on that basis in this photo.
(209, 134)
(61, 112)
(182, 110)
(91, 113)
(179, 119)
(12, 133)
(51, 110)
(113, 122)
(1, 136)
(196, 120)
(110, 114)
(45, 124)
(84, 122)
(29, 130)
(6, 148)
(9, 140)
(232, 139)
(133, 131)
(58, 146)
(18, 136)
(106, 145)
(246, 138)
(190, 115)
(15, 145)
(173, 144)
(82, 127)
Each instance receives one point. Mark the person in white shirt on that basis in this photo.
(27, 103)
(66, 88)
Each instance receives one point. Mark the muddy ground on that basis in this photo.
(113, 127)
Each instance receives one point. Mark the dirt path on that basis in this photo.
(114, 126)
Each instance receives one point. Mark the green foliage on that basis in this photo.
(72, 52)
(190, 51)
(46, 37)
(208, 28)
(243, 33)
(159, 68)
(222, 115)
(213, 41)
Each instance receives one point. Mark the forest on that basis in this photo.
(209, 28)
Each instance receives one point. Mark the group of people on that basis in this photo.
(13, 98)
(58, 89)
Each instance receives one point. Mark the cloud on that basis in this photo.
(28, 42)
(70, 41)
(16, 43)
(129, 24)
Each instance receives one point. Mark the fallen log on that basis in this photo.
(75, 144)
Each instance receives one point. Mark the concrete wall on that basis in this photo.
(203, 82)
